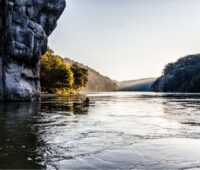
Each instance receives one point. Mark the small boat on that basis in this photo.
(85, 103)
(81, 104)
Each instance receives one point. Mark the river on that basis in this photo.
(120, 130)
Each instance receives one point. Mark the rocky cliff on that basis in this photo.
(24, 28)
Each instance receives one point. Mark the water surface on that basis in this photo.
(119, 131)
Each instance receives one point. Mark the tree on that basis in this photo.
(180, 76)
(168, 68)
(56, 76)
(80, 76)
(195, 83)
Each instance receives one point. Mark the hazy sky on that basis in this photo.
(128, 39)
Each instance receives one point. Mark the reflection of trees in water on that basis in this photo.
(63, 104)
(19, 142)
(22, 131)
(181, 102)
(55, 114)
(80, 110)
(182, 108)
(64, 108)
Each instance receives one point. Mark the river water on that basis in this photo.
(120, 130)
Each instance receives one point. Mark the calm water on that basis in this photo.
(118, 131)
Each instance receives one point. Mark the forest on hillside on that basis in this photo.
(180, 76)
(96, 81)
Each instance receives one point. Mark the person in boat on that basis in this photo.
(86, 102)
(82, 102)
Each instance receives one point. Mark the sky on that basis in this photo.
(128, 39)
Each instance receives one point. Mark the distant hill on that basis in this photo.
(180, 76)
(136, 85)
(96, 81)
(99, 83)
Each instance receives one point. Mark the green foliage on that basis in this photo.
(181, 76)
(168, 68)
(58, 77)
(80, 76)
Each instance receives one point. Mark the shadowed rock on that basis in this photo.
(24, 27)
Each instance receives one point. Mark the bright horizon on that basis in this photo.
(128, 39)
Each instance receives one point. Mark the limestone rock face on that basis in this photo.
(24, 28)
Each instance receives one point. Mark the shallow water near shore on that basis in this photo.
(120, 130)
